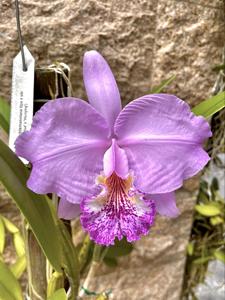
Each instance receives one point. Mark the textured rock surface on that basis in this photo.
(191, 35)
(144, 42)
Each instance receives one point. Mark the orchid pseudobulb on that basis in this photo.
(115, 167)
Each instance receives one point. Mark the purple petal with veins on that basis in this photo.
(163, 142)
(65, 145)
(100, 84)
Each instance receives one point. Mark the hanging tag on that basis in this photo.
(22, 98)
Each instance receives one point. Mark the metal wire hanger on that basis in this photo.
(20, 35)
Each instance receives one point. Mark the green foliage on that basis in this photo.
(207, 242)
(55, 283)
(59, 295)
(121, 248)
(220, 255)
(216, 220)
(210, 106)
(9, 284)
(20, 265)
(202, 260)
(214, 185)
(108, 255)
(219, 67)
(110, 261)
(5, 294)
(2, 236)
(103, 296)
(190, 248)
(159, 88)
(10, 226)
(19, 244)
(208, 210)
(4, 115)
(85, 252)
(70, 263)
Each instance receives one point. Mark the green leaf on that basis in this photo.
(207, 210)
(10, 226)
(5, 294)
(203, 196)
(19, 244)
(202, 260)
(59, 295)
(216, 220)
(204, 185)
(10, 283)
(210, 106)
(214, 185)
(4, 115)
(159, 88)
(19, 266)
(218, 67)
(2, 236)
(220, 255)
(103, 296)
(190, 249)
(56, 282)
(70, 260)
(110, 261)
(36, 208)
(120, 248)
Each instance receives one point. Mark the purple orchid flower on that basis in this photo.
(114, 167)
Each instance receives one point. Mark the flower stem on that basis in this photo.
(83, 253)
(98, 256)
(97, 253)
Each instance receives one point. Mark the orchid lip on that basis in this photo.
(119, 210)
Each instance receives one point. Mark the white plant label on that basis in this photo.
(22, 99)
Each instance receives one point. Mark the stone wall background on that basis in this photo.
(144, 41)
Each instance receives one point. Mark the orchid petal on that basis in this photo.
(115, 160)
(163, 142)
(165, 204)
(65, 145)
(68, 210)
(101, 87)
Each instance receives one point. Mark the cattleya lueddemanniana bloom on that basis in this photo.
(115, 167)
